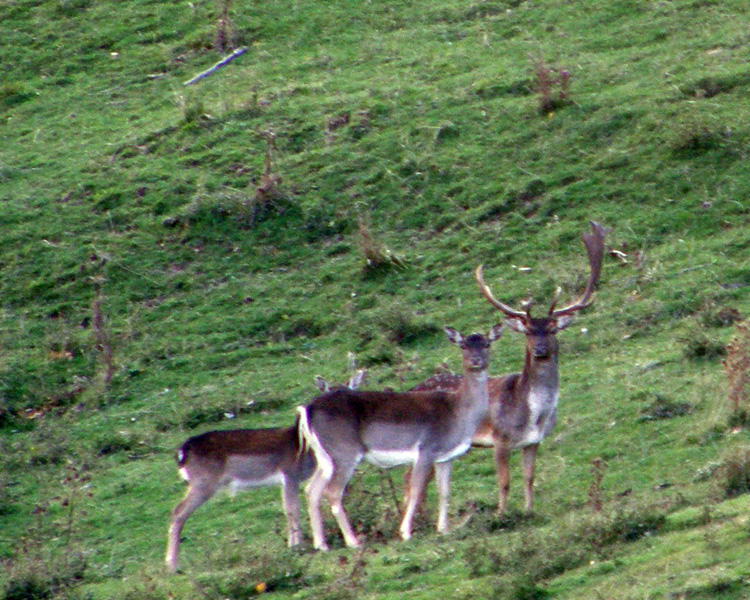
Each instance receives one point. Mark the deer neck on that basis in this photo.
(541, 374)
(474, 394)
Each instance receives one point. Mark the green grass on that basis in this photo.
(113, 174)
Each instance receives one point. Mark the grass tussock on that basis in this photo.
(734, 473)
(737, 369)
(378, 258)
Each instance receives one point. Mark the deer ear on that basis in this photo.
(321, 383)
(516, 325)
(356, 380)
(453, 335)
(496, 332)
(563, 322)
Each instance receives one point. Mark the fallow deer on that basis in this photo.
(423, 429)
(244, 458)
(523, 406)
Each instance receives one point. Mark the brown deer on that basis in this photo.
(523, 406)
(244, 458)
(422, 429)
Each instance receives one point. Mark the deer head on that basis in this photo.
(540, 332)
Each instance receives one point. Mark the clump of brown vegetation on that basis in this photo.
(551, 87)
(268, 188)
(737, 367)
(377, 256)
(598, 467)
(223, 27)
(268, 193)
(102, 335)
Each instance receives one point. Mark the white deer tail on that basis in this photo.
(303, 429)
(308, 440)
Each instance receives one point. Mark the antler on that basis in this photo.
(511, 312)
(594, 242)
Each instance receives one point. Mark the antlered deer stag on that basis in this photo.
(423, 429)
(241, 458)
(523, 406)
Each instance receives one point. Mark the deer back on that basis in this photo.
(249, 455)
(381, 421)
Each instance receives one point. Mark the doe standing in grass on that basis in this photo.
(422, 429)
(242, 458)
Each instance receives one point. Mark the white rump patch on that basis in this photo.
(325, 463)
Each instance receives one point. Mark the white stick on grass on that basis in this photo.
(223, 62)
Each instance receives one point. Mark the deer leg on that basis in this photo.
(443, 480)
(529, 459)
(334, 493)
(420, 473)
(314, 495)
(407, 482)
(290, 497)
(407, 485)
(502, 459)
(194, 498)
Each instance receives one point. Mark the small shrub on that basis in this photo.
(631, 526)
(29, 586)
(224, 26)
(598, 467)
(698, 345)
(694, 138)
(734, 473)
(267, 191)
(739, 418)
(103, 339)
(375, 511)
(378, 258)
(737, 368)
(551, 87)
(664, 408)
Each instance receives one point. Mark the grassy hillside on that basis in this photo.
(177, 259)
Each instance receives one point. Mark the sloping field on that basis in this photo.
(178, 259)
